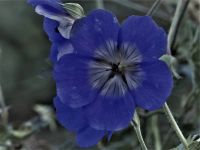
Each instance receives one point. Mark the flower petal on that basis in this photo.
(149, 39)
(152, 93)
(65, 20)
(89, 137)
(60, 48)
(110, 113)
(72, 80)
(54, 5)
(51, 28)
(70, 118)
(93, 31)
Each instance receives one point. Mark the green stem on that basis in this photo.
(180, 9)
(154, 125)
(100, 4)
(136, 124)
(175, 126)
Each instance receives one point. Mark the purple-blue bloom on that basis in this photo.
(114, 69)
(57, 24)
(53, 10)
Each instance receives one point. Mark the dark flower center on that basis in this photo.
(56, 30)
(115, 68)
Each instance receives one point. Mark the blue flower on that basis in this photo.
(54, 11)
(113, 70)
(57, 24)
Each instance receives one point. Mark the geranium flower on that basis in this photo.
(53, 11)
(113, 70)
(57, 24)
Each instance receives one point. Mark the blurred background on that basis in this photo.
(27, 87)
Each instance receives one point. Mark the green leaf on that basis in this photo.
(74, 9)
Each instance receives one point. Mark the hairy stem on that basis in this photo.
(136, 124)
(175, 126)
(156, 133)
(180, 9)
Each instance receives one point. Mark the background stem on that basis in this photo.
(154, 7)
(180, 9)
(4, 113)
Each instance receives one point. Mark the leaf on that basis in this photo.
(47, 115)
(21, 133)
(74, 9)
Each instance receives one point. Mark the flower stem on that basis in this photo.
(156, 133)
(136, 124)
(175, 126)
(100, 4)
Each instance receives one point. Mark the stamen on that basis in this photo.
(115, 71)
